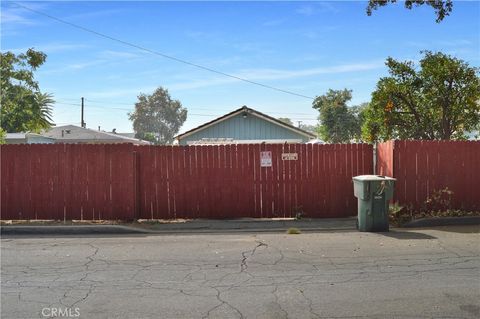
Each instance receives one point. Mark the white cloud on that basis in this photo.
(111, 54)
(455, 43)
(277, 74)
(93, 14)
(444, 43)
(273, 23)
(73, 67)
(305, 10)
(316, 7)
(12, 17)
(50, 47)
(120, 92)
(11, 14)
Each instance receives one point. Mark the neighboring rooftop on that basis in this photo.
(230, 128)
(77, 134)
(26, 138)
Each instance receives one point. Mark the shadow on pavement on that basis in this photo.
(466, 229)
(406, 235)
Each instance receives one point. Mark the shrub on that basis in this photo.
(440, 200)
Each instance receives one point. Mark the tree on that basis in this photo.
(157, 118)
(309, 128)
(442, 7)
(285, 120)
(23, 106)
(338, 122)
(2, 136)
(439, 101)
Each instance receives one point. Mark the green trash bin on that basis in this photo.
(373, 193)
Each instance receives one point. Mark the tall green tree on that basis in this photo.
(309, 128)
(440, 100)
(23, 106)
(338, 122)
(285, 120)
(157, 117)
(442, 8)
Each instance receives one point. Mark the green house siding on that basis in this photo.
(240, 128)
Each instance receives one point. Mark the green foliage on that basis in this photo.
(285, 120)
(438, 204)
(338, 122)
(439, 200)
(309, 128)
(151, 137)
(399, 215)
(157, 117)
(2, 136)
(439, 101)
(442, 8)
(23, 107)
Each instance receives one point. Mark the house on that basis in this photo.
(473, 135)
(244, 125)
(27, 138)
(77, 134)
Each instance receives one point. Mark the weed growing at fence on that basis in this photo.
(298, 211)
(293, 231)
(438, 204)
(440, 200)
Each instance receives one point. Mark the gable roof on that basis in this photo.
(72, 133)
(245, 109)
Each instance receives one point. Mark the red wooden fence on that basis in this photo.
(422, 167)
(67, 181)
(228, 181)
(74, 181)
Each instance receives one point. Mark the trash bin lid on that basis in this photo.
(362, 178)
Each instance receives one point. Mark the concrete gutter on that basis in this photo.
(187, 227)
(203, 226)
(443, 221)
(252, 224)
(17, 230)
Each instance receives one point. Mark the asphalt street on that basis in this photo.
(416, 273)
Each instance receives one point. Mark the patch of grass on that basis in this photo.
(293, 231)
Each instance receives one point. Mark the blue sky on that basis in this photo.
(304, 47)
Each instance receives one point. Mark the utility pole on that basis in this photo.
(82, 123)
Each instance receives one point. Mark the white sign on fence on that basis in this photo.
(289, 156)
(266, 159)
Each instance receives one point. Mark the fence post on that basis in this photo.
(136, 186)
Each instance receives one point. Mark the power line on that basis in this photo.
(189, 113)
(60, 102)
(159, 53)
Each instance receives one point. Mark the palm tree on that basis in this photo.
(42, 112)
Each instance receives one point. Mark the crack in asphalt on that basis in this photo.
(222, 302)
(274, 292)
(309, 303)
(91, 286)
(243, 263)
(281, 270)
